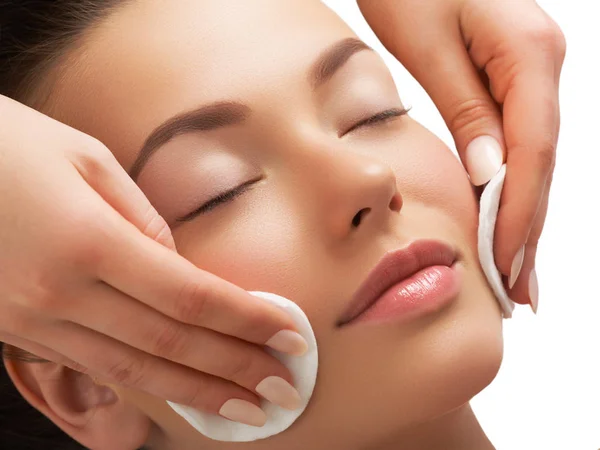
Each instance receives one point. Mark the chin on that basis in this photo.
(466, 357)
(455, 358)
(378, 382)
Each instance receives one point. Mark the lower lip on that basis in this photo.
(425, 292)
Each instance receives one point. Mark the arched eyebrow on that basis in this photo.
(227, 113)
(333, 58)
(206, 118)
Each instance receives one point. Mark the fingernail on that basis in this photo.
(288, 341)
(515, 268)
(533, 291)
(280, 392)
(484, 159)
(244, 412)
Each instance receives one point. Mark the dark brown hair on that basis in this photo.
(34, 36)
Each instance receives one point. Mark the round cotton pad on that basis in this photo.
(488, 212)
(304, 372)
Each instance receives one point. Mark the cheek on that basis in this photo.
(255, 244)
(429, 173)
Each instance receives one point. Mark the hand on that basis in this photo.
(89, 277)
(492, 67)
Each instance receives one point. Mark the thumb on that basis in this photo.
(471, 114)
(439, 61)
(100, 169)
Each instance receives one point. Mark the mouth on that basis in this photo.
(416, 279)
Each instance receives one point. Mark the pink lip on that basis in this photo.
(418, 278)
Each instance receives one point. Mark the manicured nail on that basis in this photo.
(280, 392)
(244, 412)
(533, 291)
(515, 268)
(484, 159)
(288, 341)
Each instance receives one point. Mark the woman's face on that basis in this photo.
(306, 84)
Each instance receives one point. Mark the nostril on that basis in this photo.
(359, 216)
(396, 202)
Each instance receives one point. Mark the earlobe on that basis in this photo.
(90, 413)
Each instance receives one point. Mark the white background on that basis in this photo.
(547, 394)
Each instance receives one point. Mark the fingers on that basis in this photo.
(525, 289)
(521, 292)
(521, 51)
(524, 72)
(170, 284)
(104, 174)
(470, 113)
(157, 350)
(531, 127)
(451, 80)
(112, 314)
(201, 391)
(120, 364)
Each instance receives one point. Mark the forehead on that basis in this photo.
(153, 59)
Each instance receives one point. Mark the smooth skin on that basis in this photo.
(96, 220)
(92, 279)
(492, 67)
(314, 149)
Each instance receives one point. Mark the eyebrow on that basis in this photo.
(205, 118)
(332, 59)
(222, 114)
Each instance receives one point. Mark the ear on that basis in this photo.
(92, 414)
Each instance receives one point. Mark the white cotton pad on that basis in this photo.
(488, 212)
(304, 372)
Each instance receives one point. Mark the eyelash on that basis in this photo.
(220, 199)
(378, 118)
(228, 196)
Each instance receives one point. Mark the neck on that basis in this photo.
(457, 430)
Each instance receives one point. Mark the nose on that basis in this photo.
(358, 193)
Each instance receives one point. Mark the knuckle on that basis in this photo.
(472, 115)
(547, 35)
(100, 152)
(170, 341)
(544, 156)
(191, 303)
(196, 396)
(93, 158)
(156, 227)
(259, 325)
(46, 293)
(240, 369)
(129, 372)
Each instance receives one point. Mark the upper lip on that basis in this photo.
(394, 267)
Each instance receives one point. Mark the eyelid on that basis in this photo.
(224, 197)
(381, 116)
(231, 194)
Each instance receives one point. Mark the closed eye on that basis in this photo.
(220, 199)
(230, 195)
(377, 119)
